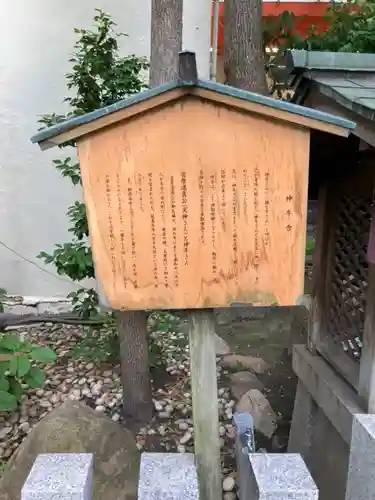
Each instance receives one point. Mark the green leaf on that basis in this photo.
(13, 365)
(9, 342)
(4, 366)
(34, 378)
(23, 365)
(43, 354)
(7, 401)
(4, 384)
(15, 388)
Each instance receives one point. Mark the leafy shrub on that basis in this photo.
(20, 366)
(99, 77)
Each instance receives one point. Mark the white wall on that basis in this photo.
(36, 38)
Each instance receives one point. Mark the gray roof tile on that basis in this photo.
(51, 132)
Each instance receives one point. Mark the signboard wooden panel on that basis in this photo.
(197, 205)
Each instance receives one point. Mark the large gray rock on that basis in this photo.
(235, 361)
(265, 419)
(74, 427)
(242, 382)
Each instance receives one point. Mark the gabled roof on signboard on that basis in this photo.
(346, 78)
(144, 101)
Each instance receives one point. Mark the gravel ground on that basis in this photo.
(99, 386)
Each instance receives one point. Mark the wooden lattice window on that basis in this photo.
(348, 280)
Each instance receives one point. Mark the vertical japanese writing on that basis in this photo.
(174, 233)
(213, 222)
(112, 240)
(256, 221)
(140, 191)
(132, 236)
(153, 231)
(289, 199)
(234, 219)
(223, 202)
(122, 231)
(163, 228)
(246, 184)
(185, 217)
(266, 208)
(201, 204)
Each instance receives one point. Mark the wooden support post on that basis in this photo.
(316, 311)
(366, 384)
(205, 404)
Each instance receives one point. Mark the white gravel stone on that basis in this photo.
(181, 448)
(229, 483)
(55, 398)
(222, 431)
(164, 414)
(229, 495)
(183, 426)
(24, 427)
(44, 404)
(100, 408)
(158, 406)
(186, 438)
(115, 417)
(5, 431)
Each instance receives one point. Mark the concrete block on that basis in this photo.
(361, 472)
(60, 476)
(167, 476)
(280, 477)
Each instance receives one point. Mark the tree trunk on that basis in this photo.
(243, 45)
(135, 374)
(166, 40)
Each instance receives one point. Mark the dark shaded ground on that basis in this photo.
(269, 334)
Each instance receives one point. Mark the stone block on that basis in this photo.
(361, 472)
(60, 476)
(167, 476)
(280, 477)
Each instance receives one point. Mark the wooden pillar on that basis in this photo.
(205, 404)
(321, 268)
(366, 384)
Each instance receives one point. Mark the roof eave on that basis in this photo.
(262, 105)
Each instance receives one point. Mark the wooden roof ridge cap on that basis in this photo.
(297, 61)
(69, 125)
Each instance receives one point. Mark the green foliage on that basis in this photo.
(99, 77)
(20, 367)
(310, 245)
(100, 345)
(351, 28)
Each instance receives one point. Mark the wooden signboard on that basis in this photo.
(195, 204)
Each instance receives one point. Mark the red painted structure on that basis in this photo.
(313, 15)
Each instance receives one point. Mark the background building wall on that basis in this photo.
(35, 42)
